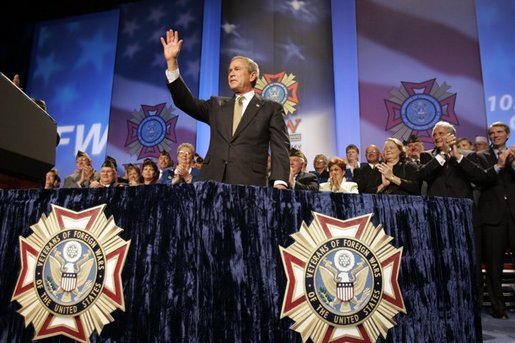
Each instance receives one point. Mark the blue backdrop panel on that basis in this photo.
(495, 26)
(72, 71)
(204, 262)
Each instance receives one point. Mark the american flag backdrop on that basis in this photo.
(418, 62)
(143, 120)
(72, 71)
(291, 42)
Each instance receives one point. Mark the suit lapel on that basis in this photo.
(250, 112)
(226, 118)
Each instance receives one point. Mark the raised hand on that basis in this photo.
(171, 47)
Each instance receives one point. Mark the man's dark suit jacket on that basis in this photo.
(306, 181)
(497, 190)
(240, 158)
(368, 179)
(453, 179)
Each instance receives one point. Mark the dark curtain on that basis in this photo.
(204, 262)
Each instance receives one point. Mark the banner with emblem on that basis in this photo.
(342, 280)
(143, 119)
(418, 63)
(70, 278)
(293, 49)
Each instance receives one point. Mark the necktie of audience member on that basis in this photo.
(238, 112)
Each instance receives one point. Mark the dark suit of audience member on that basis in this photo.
(363, 176)
(243, 127)
(367, 178)
(497, 209)
(306, 181)
(449, 173)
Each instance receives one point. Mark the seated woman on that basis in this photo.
(134, 177)
(337, 182)
(397, 174)
(184, 171)
(149, 172)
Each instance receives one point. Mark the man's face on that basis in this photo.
(239, 77)
(498, 136)
(372, 154)
(439, 135)
(107, 175)
(296, 164)
(164, 161)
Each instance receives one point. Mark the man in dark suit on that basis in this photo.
(243, 128)
(364, 176)
(449, 173)
(497, 208)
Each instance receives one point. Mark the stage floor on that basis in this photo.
(496, 330)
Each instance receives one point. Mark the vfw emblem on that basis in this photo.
(70, 279)
(342, 280)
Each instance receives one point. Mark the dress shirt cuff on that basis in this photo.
(172, 75)
(280, 182)
(440, 159)
(497, 169)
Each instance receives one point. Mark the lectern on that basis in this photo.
(27, 138)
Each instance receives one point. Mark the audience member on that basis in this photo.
(83, 175)
(108, 175)
(320, 165)
(398, 175)
(134, 177)
(164, 162)
(352, 153)
(337, 182)
(149, 172)
(481, 143)
(198, 161)
(51, 179)
(497, 208)
(362, 175)
(414, 147)
(184, 171)
(464, 144)
(299, 179)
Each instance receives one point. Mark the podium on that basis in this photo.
(27, 138)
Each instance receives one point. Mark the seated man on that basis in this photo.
(108, 176)
(363, 175)
(184, 171)
(299, 179)
(165, 162)
(83, 175)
